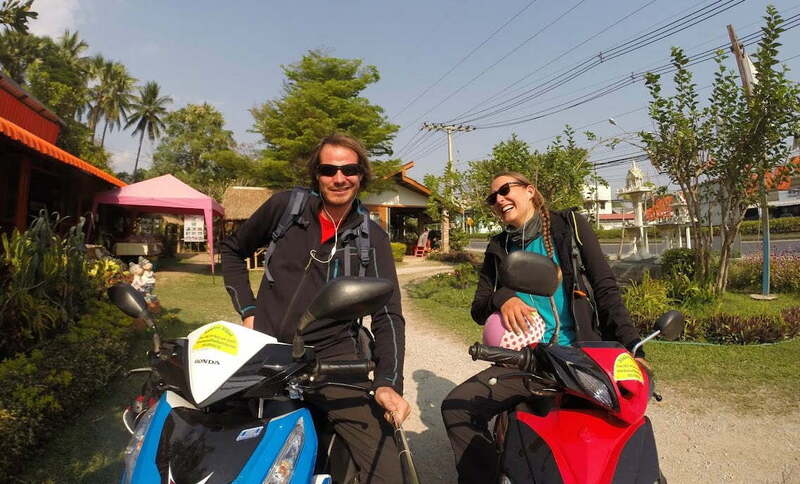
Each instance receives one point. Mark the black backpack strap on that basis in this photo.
(579, 269)
(297, 202)
(361, 236)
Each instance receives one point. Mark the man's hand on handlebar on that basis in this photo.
(248, 322)
(397, 409)
(516, 315)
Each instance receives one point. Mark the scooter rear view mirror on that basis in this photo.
(128, 300)
(670, 324)
(530, 273)
(341, 299)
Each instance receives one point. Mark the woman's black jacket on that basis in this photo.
(613, 322)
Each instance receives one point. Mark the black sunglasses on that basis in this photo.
(347, 170)
(503, 190)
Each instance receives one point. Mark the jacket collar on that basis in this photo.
(354, 217)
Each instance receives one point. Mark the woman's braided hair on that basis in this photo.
(539, 204)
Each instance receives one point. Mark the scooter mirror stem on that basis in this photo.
(642, 342)
(298, 347)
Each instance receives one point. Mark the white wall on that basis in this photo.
(398, 195)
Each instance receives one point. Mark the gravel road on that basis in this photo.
(698, 441)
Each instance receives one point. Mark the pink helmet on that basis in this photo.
(496, 334)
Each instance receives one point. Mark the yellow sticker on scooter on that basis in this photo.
(219, 338)
(626, 368)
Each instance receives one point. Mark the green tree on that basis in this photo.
(679, 148)
(115, 95)
(15, 15)
(147, 111)
(321, 95)
(750, 132)
(559, 173)
(196, 148)
(18, 50)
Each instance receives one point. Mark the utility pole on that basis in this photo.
(449, 129)
(596, 201)
(746, 75)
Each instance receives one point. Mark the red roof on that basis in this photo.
(661, 209)
(36, 143)
(616, 216)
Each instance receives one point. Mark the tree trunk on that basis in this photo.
(445, 232)
(103, 139)
(136, 164)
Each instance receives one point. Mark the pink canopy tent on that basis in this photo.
(165, 194)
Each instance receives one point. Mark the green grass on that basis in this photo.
(755, 378)
(743, 305)
(89, 449)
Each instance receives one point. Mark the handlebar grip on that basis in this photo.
(494, 354)
(345, 367)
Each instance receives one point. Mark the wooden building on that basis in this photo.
(35, 174)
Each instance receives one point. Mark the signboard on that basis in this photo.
(193, 228)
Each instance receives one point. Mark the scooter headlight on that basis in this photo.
(284, 465)
(135, 445)
(595, 388)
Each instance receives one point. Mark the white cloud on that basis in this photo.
(55, 16)
(124, 160)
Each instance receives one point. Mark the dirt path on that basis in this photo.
(698, 441)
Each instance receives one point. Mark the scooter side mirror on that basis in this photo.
(343, 298)
(530, 273)
(347, 298)
(670, 324)
(128, 300)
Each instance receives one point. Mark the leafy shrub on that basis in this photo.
(732, 329)
(678, 261)
(687, 292)
(745, 274)
(646, 301)
(45, 387)
(458, 257)
(458, 239)
(398, 251)
(44, 284)
(791, 322)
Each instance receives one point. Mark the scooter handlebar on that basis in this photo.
(345, 367)
(503, 356)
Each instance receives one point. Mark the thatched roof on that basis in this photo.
(241, 202)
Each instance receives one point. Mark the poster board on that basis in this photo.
(193, 228)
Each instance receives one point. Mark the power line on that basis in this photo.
(626, 81)
(590, 63)
(491, 36)
(519, 46)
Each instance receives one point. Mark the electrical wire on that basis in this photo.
(491, 36)
(590, 63)
(505, 56)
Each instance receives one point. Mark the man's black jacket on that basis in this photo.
(287, 265)
(614, 320)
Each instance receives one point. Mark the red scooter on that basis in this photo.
(585, 422)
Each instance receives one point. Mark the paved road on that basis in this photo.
(748, 246)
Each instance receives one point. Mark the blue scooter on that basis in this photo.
(224, 404)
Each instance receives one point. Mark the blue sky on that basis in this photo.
(229, 54)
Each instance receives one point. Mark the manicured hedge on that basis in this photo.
(42, 388)
(776, 226)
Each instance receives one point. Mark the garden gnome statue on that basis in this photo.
(136, 271)
(148, 279)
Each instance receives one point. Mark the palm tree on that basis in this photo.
(147, 111)
(73, 46)
(115, 96)
(95, 66)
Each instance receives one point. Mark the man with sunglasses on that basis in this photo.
(321, 244)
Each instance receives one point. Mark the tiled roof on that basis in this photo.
(50, 150)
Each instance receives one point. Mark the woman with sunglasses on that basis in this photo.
(527, 319)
